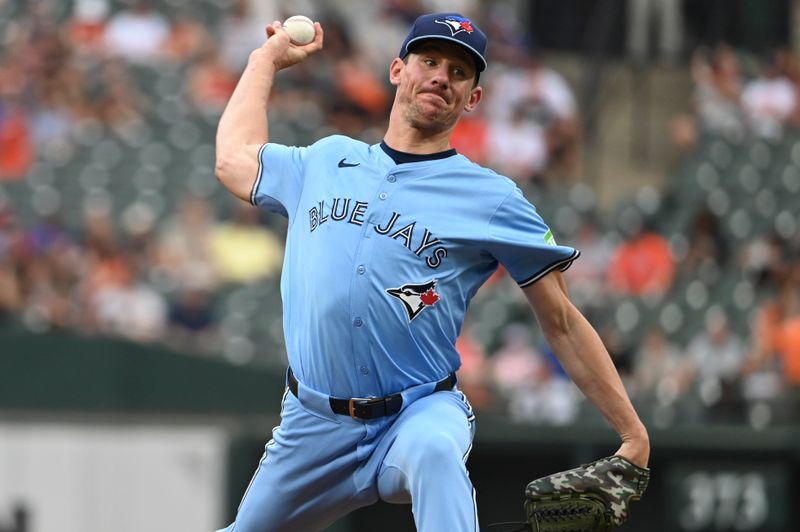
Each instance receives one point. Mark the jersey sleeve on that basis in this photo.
(521, 241)
(279, 182)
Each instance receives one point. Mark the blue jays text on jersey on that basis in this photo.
(339, 210)
(382, 258)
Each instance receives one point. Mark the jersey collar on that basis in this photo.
(400, 157)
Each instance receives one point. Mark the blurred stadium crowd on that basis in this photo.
(111, 221)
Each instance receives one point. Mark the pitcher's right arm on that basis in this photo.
(243, 127)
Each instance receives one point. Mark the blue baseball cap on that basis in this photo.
(450, 27)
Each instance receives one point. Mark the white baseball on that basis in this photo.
(300, 29)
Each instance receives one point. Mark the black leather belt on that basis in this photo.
(371, 407)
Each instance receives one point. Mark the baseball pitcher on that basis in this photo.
(386, 245)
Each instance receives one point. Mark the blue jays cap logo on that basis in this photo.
(456, 24)
(460, 30)
(415, 297)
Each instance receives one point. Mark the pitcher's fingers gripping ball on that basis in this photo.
(592, 498)
(300, 29)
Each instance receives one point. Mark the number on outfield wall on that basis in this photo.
(725, 501)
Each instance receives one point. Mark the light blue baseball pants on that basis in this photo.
(320, 466)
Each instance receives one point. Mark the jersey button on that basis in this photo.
(391, 178)
(383, 195)
(364, 370)
(357, 322)
(361, 270)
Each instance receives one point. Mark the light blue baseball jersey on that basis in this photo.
(383, 258)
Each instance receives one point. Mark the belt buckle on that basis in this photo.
(360, 401)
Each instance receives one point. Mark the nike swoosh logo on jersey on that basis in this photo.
(343, 164)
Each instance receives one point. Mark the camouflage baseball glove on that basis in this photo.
(592, 498)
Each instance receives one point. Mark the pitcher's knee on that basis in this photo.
(393, 486)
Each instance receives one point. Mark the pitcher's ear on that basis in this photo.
(395, 68)
(474, 99)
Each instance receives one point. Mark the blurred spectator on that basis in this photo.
(128, 307)
(763, 261)
(43, 52)
(772, 369)
(516, 362)
(239, 33)
(789, 67)
(117, 102)
(210, 82)
(787, 333)
(769, 100)
(183, 248)
(192, 324)
(587, 276)
(87, 26)
(48, 259)
(764, 341)
(714, 364)
(663, 15)
(16, 148)
(717, 98)
(53, 119)
(659, 369)
(402, 10)
(10, 289)
(243, 250)
(620, 349)
(138, 33)
(58, 84)
(718, 83)
(116, 298)
(359, 85)
(49, 236)
(342, 117)
(518, 148)
(470, 137)
(707, 244)
(377, 27)
(474, 377)
(187, 38)
(507, 31)
(642, 264)
(14, 79)
(533, 93)
(105, 264)
(468, 8)
(762, 376)
(353, 90)
(553, 106)
(49, 301)
(339, 38)
(44, 306)
(529, 382)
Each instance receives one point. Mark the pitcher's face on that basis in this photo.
(435, 85)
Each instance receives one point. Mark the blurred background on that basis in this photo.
(141, 345)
